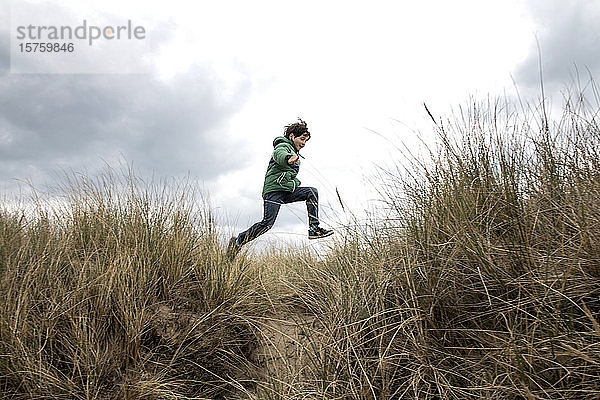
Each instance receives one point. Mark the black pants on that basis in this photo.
(272, 203)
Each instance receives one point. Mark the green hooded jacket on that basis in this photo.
(280, 175)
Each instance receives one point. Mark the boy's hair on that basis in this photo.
(296, 129)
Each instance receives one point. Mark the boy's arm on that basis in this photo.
(282, 154)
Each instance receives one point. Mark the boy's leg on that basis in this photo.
(272, 203)
(311, 196)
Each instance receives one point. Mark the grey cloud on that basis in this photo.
(165, 127)
(168, 128)
(173, 127)
(4, 38)
(568, 40)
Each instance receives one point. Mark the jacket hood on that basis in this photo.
(283, 139)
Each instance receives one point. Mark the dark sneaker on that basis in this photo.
(233, 248)
(316, 232)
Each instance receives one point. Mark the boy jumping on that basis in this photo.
(282, 187)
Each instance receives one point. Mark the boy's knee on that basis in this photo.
(314, 192)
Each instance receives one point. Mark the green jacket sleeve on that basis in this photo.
(282, 153)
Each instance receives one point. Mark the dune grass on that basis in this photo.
(480, 278)
(121, 291)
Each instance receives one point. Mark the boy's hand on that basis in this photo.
(292, 159)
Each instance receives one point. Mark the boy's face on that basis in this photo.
(300, 141)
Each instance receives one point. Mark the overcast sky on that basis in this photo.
(222, 79)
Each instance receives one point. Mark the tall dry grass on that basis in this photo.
(480, 278)
(119, 288)
(483, 279)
